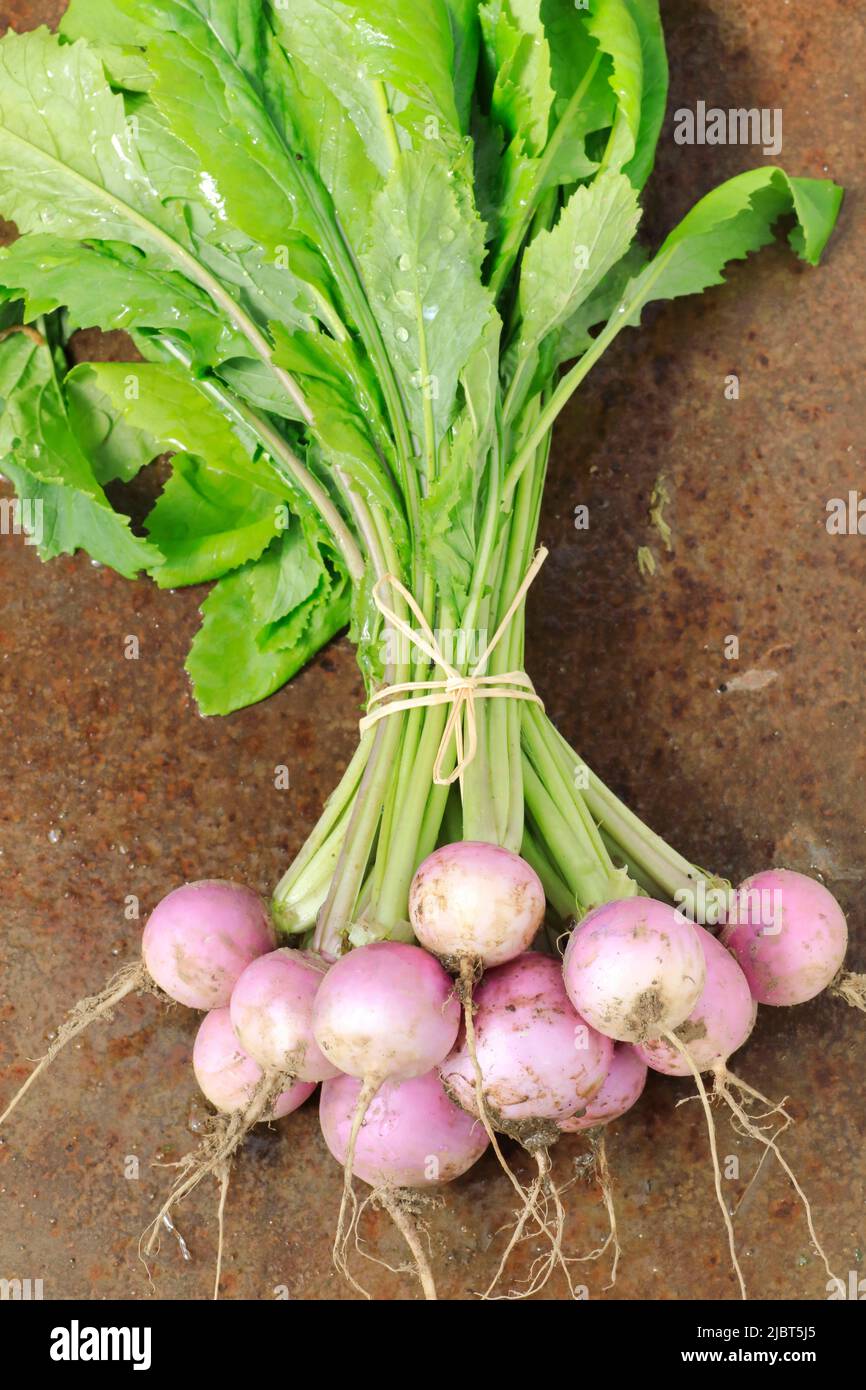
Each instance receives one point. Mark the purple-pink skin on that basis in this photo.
(634, 969)
(386, 1011)
(201, 937)
(717, 1026)
(789, 936)
(272, 1013)
(476, 901)
(228, 1076)
(539, 1059)
(412, 1135)
(621, 1089)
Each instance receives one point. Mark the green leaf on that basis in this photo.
(104, 21)
(423, 272)
(333, 143)
(250, 169)
(466, 39)
(584, 101)
(654, 88)
(206, 523)
(112, 286)
(612, 24)
(346, 413)
(358, 49)
(562, 267)
(117, 450)
(176, 415)
(42, 459)
(736, 218)
(574, 337)
(518, 57)
(68, 162)
(480, 382)
(234, 660)
(290, 573)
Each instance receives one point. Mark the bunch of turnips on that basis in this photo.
(428, 1052)
(366, 253)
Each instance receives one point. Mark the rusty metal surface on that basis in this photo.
(112, 784)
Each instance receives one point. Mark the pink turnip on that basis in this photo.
(231, 1080)
(413, 1135)
(475, 901)
(272, 1013)
(384, 1012)
(717, 1026)
(788, 934)
(621, 1089)
(539, 1059)
(634, 969)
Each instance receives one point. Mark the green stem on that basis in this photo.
(294, 882)
(578, 868)
(555, 890)
(559, 398)
(656, 859)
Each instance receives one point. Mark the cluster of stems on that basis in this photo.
(525, 789)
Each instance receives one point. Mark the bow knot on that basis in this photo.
(459, 690)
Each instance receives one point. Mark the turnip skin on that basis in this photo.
(634, 969)
(413, 1135)
(476, 901)
(201, 937)
(228, 1076)
(272, 1013)
(717, 1026)
(386, 1011)
(539, 1059)
(793, 964)
(621, 1089)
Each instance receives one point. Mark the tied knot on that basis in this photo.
(461, 685)
(458, 689)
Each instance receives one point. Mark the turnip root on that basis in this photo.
(620, 1090)
(384, 1012)
(272, 1014)
(634, 969)
(476, 905)
(413, 1136)
(200, 938)
(539, 1059)
(196, 943)
(244, 1094)
(717, 1026)
(233, 1083)
(539, 1062)
(788, 934)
